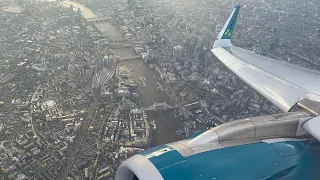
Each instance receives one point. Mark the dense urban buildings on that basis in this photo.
(86, 84)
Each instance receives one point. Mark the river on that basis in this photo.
(166, 123)
(86, 13)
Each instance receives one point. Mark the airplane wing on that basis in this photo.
(281, 83)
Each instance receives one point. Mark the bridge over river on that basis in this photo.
(160, 106)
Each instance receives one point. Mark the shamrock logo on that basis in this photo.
(228, 33)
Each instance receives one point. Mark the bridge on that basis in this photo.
(99, 19)
(159, 106)
(119, 46)
(117, 41)
(130, 58)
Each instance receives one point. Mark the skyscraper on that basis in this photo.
(177, 53)
(208, 59)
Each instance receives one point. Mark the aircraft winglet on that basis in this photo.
(224, 37)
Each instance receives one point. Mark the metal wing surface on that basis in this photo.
(284, 84)
(281, 83)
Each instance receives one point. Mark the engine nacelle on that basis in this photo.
(137, 168)
(256, 143)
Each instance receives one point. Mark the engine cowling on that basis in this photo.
(212, 153)
(158, 163)
(137, 167)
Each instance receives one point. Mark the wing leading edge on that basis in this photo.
(281, 83)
